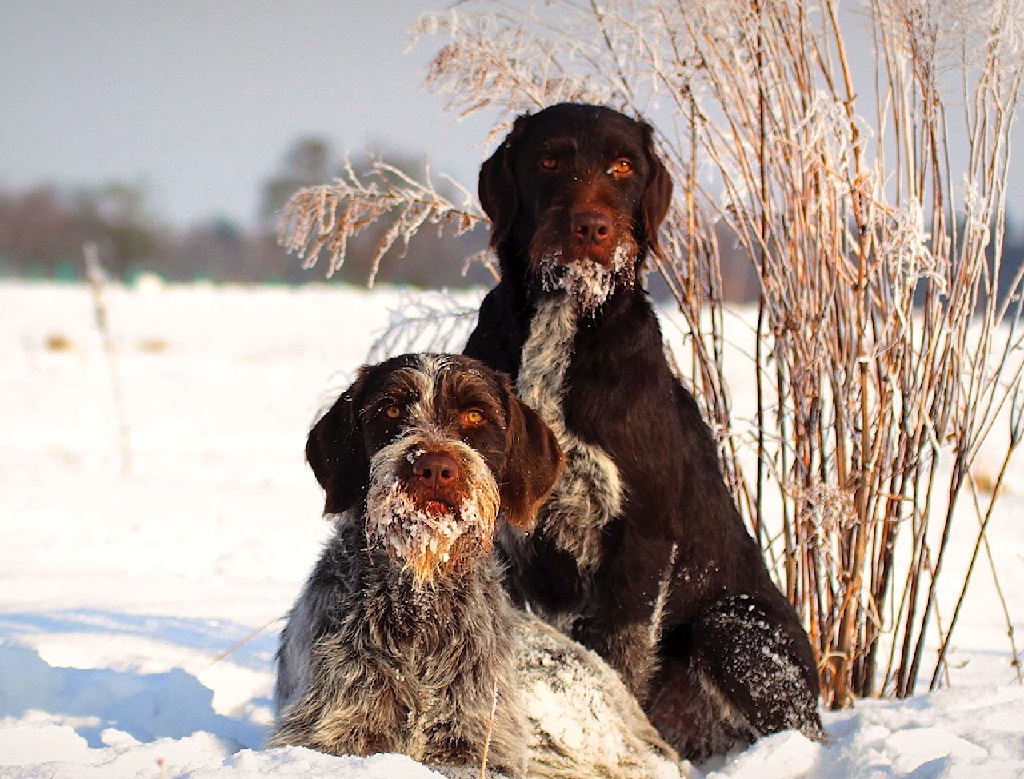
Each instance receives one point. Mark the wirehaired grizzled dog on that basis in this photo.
(403, 639)
(639, 553)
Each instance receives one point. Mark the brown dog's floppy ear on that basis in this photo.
(534, 463)
(337, 455)
(496, 186)
(658, 193)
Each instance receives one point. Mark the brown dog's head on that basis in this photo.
(578, 191)
(435, 446)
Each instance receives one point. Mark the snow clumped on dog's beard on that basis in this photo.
(587, 282)
(429, 538)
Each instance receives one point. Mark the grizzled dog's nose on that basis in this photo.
(591, 226)
(435, 469)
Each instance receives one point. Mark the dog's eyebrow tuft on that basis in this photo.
(558, 146)
(407, 383)
(468, 388)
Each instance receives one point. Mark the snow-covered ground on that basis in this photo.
(140, 600)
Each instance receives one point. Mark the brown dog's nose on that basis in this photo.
(435, 469)
(591, 226)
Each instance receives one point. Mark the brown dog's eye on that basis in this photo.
(549, 163)
(393, 412)
(473, 417)
(621, 168)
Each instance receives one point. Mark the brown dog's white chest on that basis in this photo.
(589, 493)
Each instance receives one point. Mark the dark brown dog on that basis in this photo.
(639, 553)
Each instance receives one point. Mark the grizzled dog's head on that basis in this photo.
(429, 449)
(580, 193)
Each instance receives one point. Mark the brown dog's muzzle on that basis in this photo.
(431, 506)
(592, 228)
(435, 483)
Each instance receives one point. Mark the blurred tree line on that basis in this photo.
(43, 230)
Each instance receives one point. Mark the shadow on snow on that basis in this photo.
(147, 706)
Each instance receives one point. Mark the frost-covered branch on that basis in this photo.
(321, 219)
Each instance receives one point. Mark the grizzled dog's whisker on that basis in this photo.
(430, 542)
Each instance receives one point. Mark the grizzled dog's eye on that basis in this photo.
(474, 417)
(393, 412)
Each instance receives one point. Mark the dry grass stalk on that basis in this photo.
(98, 286)
(487, 739)
(888, 338)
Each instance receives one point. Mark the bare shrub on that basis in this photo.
(887, 342)
(424, 322)
(323, 218)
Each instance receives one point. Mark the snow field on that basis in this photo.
(125, 591)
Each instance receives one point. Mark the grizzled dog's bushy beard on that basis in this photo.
(430, 535)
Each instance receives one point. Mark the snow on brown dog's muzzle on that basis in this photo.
(432, 504)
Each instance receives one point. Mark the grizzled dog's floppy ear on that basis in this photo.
(337, 455)
(533, 464)
(496, 186)
(658, 193)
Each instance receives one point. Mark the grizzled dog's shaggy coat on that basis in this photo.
(639, 553)
(403, 638)
(402, 635)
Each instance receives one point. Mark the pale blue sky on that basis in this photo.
(202, 98)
